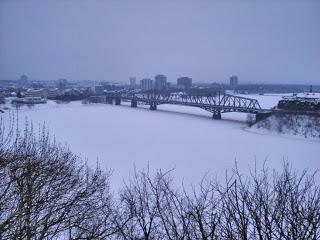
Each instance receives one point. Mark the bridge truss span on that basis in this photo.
(214, 103)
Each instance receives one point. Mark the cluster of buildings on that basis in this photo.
(160, 83)
(60, 89)
(63, 89)
(66, 90)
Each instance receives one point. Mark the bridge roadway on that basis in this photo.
(214, 103)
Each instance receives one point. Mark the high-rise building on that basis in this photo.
(146, 84)
(62, 84)
(160, 82)
(23, 81)
(2, 99)
(184, 82)
(132, 82)
(233, 82)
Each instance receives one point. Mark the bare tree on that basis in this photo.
(46, 191)
(204, 210)
(172, 207)
(139, 208)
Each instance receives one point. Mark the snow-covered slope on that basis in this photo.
(300, 125)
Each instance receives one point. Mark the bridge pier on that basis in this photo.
(118, 101)
(134, 103)
(262, 116)
(153, 106)
(216, 115)
(109, 100)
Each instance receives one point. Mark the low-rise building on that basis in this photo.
(99, 90)
(35, 93)
(53, 93)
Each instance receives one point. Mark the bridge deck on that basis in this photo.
(216, 104)
(212, 103)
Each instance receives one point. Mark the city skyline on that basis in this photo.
(209, 41)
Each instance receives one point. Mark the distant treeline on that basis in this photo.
(47, 192)
(299, 105)
(276, 88)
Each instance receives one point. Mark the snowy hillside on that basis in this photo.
(299, 125)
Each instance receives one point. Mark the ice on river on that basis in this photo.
(184, 138)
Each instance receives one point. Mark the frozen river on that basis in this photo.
(186, 139)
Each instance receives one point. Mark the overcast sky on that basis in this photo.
(260, 41)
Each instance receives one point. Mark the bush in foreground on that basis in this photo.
(46, 192)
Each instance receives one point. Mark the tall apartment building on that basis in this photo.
(146, 84)
(160, 82)
(184, 82)
(23, 81)
(132, 81)
(233, 82)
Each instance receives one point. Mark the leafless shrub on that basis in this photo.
(263, 205)
(138, 213)
(45, 191)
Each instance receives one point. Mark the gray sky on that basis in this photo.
(260, 41)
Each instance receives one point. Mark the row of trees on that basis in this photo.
(46, 192)
(300, 105)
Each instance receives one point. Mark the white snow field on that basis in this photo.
(184, 138)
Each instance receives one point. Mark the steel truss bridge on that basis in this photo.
(215, 103)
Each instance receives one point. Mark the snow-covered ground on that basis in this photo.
(292, 125)
(186, 139)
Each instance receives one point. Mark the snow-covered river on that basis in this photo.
(178, 137)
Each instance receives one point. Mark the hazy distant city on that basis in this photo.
(81, 89)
